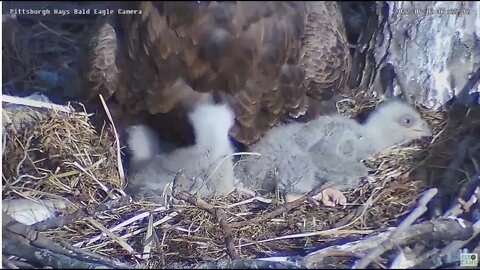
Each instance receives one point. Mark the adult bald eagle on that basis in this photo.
(270, 61)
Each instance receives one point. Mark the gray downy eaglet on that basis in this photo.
(328, 149)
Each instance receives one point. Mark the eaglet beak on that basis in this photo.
(423, 131)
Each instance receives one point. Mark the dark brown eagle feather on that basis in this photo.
(271, 61)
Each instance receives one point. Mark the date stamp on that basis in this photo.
(432, 11)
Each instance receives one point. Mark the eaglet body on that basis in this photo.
(152, 174)
(328, 149)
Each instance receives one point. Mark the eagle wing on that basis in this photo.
(256, 56)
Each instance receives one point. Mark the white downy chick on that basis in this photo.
(392, 123)
(211, 124)
(144, 144)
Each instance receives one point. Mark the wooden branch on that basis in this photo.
(293, 204)
(44, 257)
(58, 222)
(442, 229)
(22, 241)
(250, 264)
(219, 214)
(286, 207)
(450, 251)
(422, 208)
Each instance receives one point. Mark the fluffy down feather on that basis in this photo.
(328, 149)
(211, 124)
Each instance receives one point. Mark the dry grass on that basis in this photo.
(67, 158)
(58, 155)
(61, 155)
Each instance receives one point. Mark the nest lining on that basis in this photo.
(67, 159)
(57, 155)
(59, 141)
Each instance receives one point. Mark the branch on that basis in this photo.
(22, 241)
(422, 208)
(58, 222)
(442, 229)
(249, 264)
(219, 214)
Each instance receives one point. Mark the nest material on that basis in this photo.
(57, 155)
(184, 233)
(144, 234)
(188, 234)
(62, 156)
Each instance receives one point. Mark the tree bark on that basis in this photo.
(425, 51)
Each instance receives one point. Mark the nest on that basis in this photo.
(59, 154)
(52, 154)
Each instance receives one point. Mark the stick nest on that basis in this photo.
(61, 155)
(57, 155)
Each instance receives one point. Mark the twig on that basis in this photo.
(309, 234)
(44, 257)
(293, 204)
(148, 238)
(285, 207)
(110, 194)
(458, 208)
(249, 264)
(125, 223)
(442, 229)
(227, 231)
(337, 230)
(155, 224)
(117, 141)
(61, 221)
(115, 238)
(422, 208)
(359, 247)
(22, 241)
(36, 104)
(449, 254)
(90, 254)
(456, 245)
(19, 165)
(215, 211)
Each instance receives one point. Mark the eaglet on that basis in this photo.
(270, 61)
(328, 149)
(207, 164)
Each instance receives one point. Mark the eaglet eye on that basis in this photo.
(407, 121)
